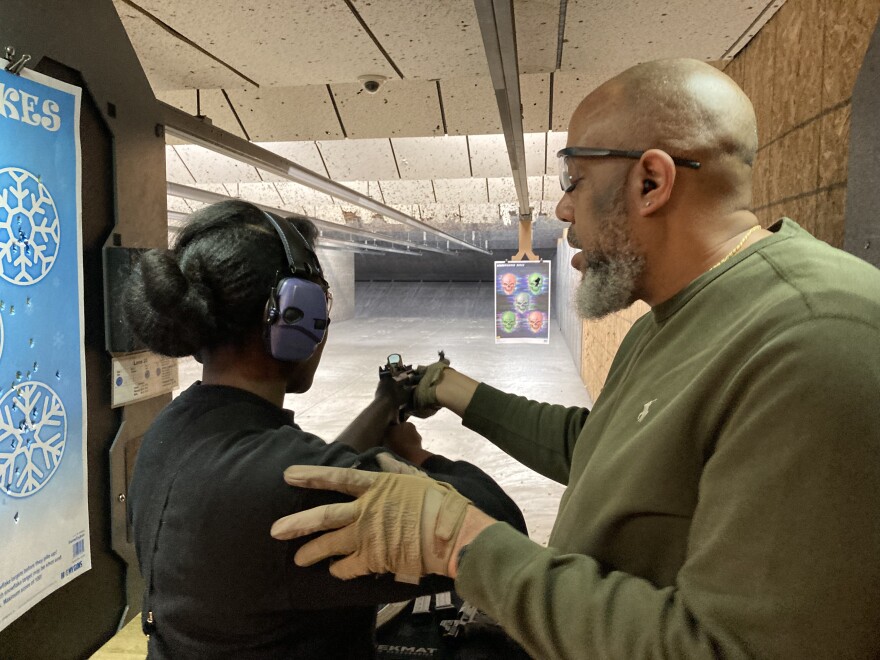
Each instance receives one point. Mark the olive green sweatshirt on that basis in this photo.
(723, 495)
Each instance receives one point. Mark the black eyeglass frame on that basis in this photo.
(596, 152)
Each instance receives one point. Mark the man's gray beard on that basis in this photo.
(608, 284)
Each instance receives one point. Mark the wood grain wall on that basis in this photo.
(799, 72)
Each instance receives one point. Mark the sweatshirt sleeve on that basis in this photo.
(539, 435)
(782, 555)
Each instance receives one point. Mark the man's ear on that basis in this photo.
(655, 178)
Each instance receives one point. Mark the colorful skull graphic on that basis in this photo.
(508, 283)
(536, 283)
(536, 321)
(522, 302)
(508, 321)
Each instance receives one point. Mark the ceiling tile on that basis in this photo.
(184, 99)
(294, 195)
(287, 113)
(482, 214)
(324, 39)
(440, 214)
(534, 146)
(569, 89)
(363, 160)
(536, 189)
(501, 190)
(535, 97)
(427, 39)
(537, 28)
(401, 108)
(209, 167)
(304, 154)
(177, 204)
(169, 62)
(407, 192)
(444, 157)
(602, 37)
(556, 140)
(461, 191)
(489, 156)
(213, 104)
(470, 107)
(175, 170)
(261, 193)
(552, 189)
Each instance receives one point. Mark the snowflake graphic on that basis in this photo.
(30, 231)
(33, 434)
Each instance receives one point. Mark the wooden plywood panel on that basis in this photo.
(795, 163)
(461, 191)
(428, 39)
(470, 107)
(761, 179)
(830, 215)
(537, 24)
(798, 69)
(762, 54)
(169, 62)
(287, 113)
(848, 29)
(535, 98)
(398, 109)
(280, 33)
(803, 211)
(439, 157)
(833, 146)
(358, 160)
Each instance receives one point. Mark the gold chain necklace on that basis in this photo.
(738, 246)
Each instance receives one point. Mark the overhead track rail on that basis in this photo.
(192, 129)
(499, 40)
(209, 197)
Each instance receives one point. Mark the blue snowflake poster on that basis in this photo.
(44, 526)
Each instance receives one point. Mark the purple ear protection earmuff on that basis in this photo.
(296, 312)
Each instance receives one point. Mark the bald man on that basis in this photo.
(723, 494)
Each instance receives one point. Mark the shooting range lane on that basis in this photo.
(347, 377)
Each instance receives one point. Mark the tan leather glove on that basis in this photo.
(399, 523)
(424, 398)
(388, 462)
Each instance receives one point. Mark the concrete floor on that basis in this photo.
(347, 378)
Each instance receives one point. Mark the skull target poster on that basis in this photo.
(44, 523)
(522, 302)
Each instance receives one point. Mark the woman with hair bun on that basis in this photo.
(208, 480)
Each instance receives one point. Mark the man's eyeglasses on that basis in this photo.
(565, 180)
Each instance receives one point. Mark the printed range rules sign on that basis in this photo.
(44, 526)
(522, 302)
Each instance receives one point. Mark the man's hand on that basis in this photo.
(424, 399)
(405, 441)
(402, 524)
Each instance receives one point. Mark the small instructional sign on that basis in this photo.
(140, 376)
